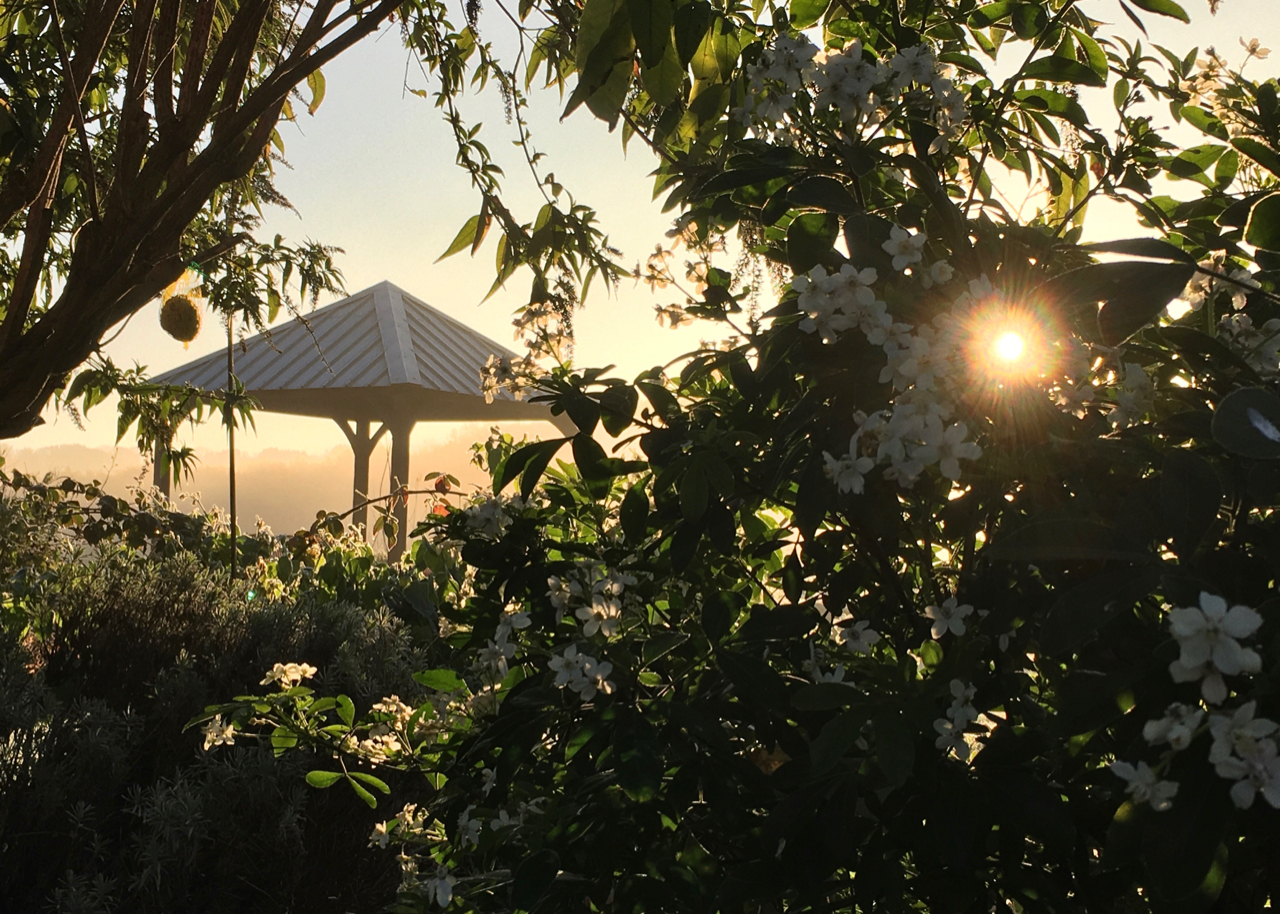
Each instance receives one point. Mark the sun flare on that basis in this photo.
(1009, 346)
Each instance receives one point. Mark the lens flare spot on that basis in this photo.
(1009, 346)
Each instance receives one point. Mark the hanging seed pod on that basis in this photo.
(180, 318)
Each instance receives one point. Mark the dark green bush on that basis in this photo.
(107, 804)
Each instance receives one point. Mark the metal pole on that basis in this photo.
(229, 418)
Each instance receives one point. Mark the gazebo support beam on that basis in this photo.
(362, 445)
(401, 431)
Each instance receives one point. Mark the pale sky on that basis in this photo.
(373, 172)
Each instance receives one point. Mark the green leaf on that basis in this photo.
(1054, 103)
(1205, 122)
(823, 696)
(373, 782)
(661, 644)
(837, 737)
(618, 408)
(323, 779)
(370, 800)
(1093, 51)
(651, 22)
(753, 679)
(315, 82)
(1263, 230)
(1029, 20)
(633, 514)
(694, 493)
(1132, 294)
(346, 710)
(440, 680)
(1190, 495)
(536, 455)
(1163, 7)
(1154, 248)
(592, 463)
(987, 16)
(638, 766)
(1247, 422)
(535, 875)
(465, 238)
(805, 13)
(809, 240)
(691, 23)
(1062, 70)
(664, 81)
(895, 746)
(1066, 540)
(1078, 613)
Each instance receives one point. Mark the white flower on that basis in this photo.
(904, 247)
(289, 674)
(949, 617)
(487, 778)
(912, 65)
(1207, 636)
(1253, 48)
(440, 886)
(603, 615)
(1177, 727)
(849, 472)
(219, 732)
(380, 835)
(1144, 787)
(504, 820)
(857, 637)
(962, 712)
(567, 666)
(951, 738)
(595, 678)
(939, 273)
(469, 829)
(1134, 399)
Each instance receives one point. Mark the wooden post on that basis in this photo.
(160, 472)
(362, 445)
(400, 434)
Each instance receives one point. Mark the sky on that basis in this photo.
(373, 172)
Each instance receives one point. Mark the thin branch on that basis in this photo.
(90, 178)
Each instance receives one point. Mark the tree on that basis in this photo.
(135, 140)
(946, 583)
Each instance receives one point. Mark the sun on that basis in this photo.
(1009, 346)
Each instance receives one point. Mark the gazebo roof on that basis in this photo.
(379, 354)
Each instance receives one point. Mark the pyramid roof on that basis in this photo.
(380, 354)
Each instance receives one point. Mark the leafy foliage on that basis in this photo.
(861, 612)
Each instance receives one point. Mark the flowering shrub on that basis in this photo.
(946, 581)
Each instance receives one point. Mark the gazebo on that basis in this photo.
(379, 357)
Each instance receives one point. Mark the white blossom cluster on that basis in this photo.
(492, 660)
(582, 673)
(1135, 396)
(289, 674)
(1258, 346)
(218, 732)
(596, 596)
(861, 89)
(1204, 286)
(921, 363)
(502, 373)
(813, 666)
(1243, 748)
(489, 515)
(1208, 639)
(961, 714)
